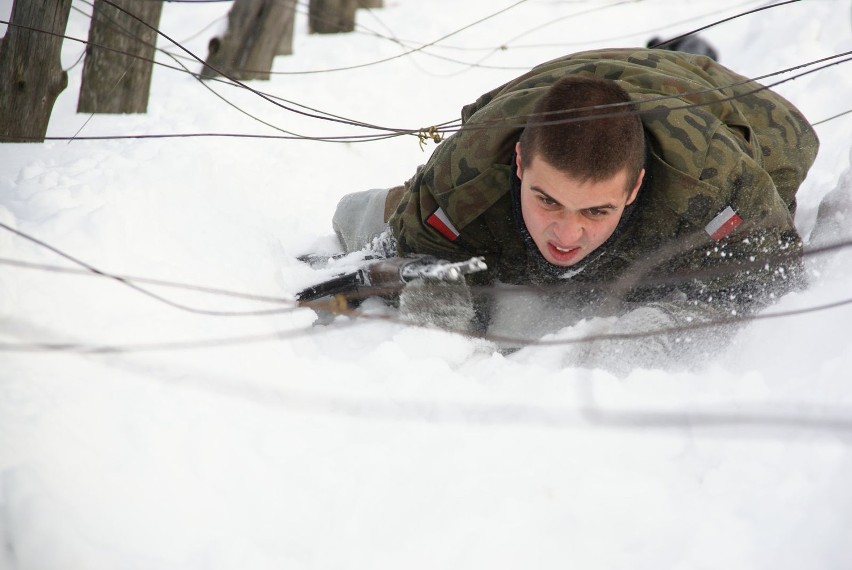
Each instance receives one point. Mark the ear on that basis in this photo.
(635, 192)
(519, 170)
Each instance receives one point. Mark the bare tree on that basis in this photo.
(31, 75)
(258, 30)
(119, 57)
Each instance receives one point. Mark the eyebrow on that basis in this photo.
(601, 207)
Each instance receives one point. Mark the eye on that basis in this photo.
(597, 212)
(546, 201)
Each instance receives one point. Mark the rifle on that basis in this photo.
(384, 276)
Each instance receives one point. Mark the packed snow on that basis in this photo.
(367, 443)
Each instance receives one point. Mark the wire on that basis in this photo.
(592, 411)
(183, 69)
(204, 29)
(231, 313)
(332, 306)
(161, 346)
(701, 29)
(362, 138)
(76, 62)
(523, 119)
(147, 280)
(130, 65)
(328, 116)
(112, 23)
(137, 288)
(407, 53)
(291, 333)
(408, 44)
(412, 131)
(599, 40)
(238, 82)
(669, 279)
(566, 287)
(554, 21)
(839, 419)
(447, 127)
(837, 116)
(417, 47)
(666, 331)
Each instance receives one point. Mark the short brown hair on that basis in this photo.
(599, 145)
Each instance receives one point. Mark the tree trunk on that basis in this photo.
(286, 45)
(331, 16)
(371, 3)
(257, 31)
(119, 57)
(31, 75)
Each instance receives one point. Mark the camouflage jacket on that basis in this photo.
(716, 141)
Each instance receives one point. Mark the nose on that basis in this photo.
(568, 229)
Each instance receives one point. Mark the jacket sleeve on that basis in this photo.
(411, 229)
(741, 251)
(704, 286)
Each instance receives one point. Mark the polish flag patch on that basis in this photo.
(722, 225)
(442, 223)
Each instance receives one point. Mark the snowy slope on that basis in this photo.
(368, 444)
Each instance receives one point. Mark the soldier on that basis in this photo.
(651, 184)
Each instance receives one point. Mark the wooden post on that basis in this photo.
(286, 45)
(371, 3)
(257, 32)
(331, 16)
(31, 75)
(119, 57)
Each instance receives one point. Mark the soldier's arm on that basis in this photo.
(746, 256)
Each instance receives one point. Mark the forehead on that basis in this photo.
(566, 189)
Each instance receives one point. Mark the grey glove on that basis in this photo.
(441, 304)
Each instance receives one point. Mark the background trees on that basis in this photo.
(31, 77)
(120, 53)
(119, 57)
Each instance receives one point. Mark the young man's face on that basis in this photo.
(568, 219)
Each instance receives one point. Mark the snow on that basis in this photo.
(368, 444)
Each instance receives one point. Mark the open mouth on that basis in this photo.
(563, 254)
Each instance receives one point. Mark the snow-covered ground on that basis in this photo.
(369, 444)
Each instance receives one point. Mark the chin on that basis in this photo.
(563, 263)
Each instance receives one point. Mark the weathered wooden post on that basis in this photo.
(258, 30)
(119, 57)
(285, 47)
(31, 75)
(331, 16)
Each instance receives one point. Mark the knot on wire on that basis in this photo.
(427, 134)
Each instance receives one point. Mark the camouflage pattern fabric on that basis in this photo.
(717, 140)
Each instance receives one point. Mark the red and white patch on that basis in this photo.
(442, 223)
(722, 225)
